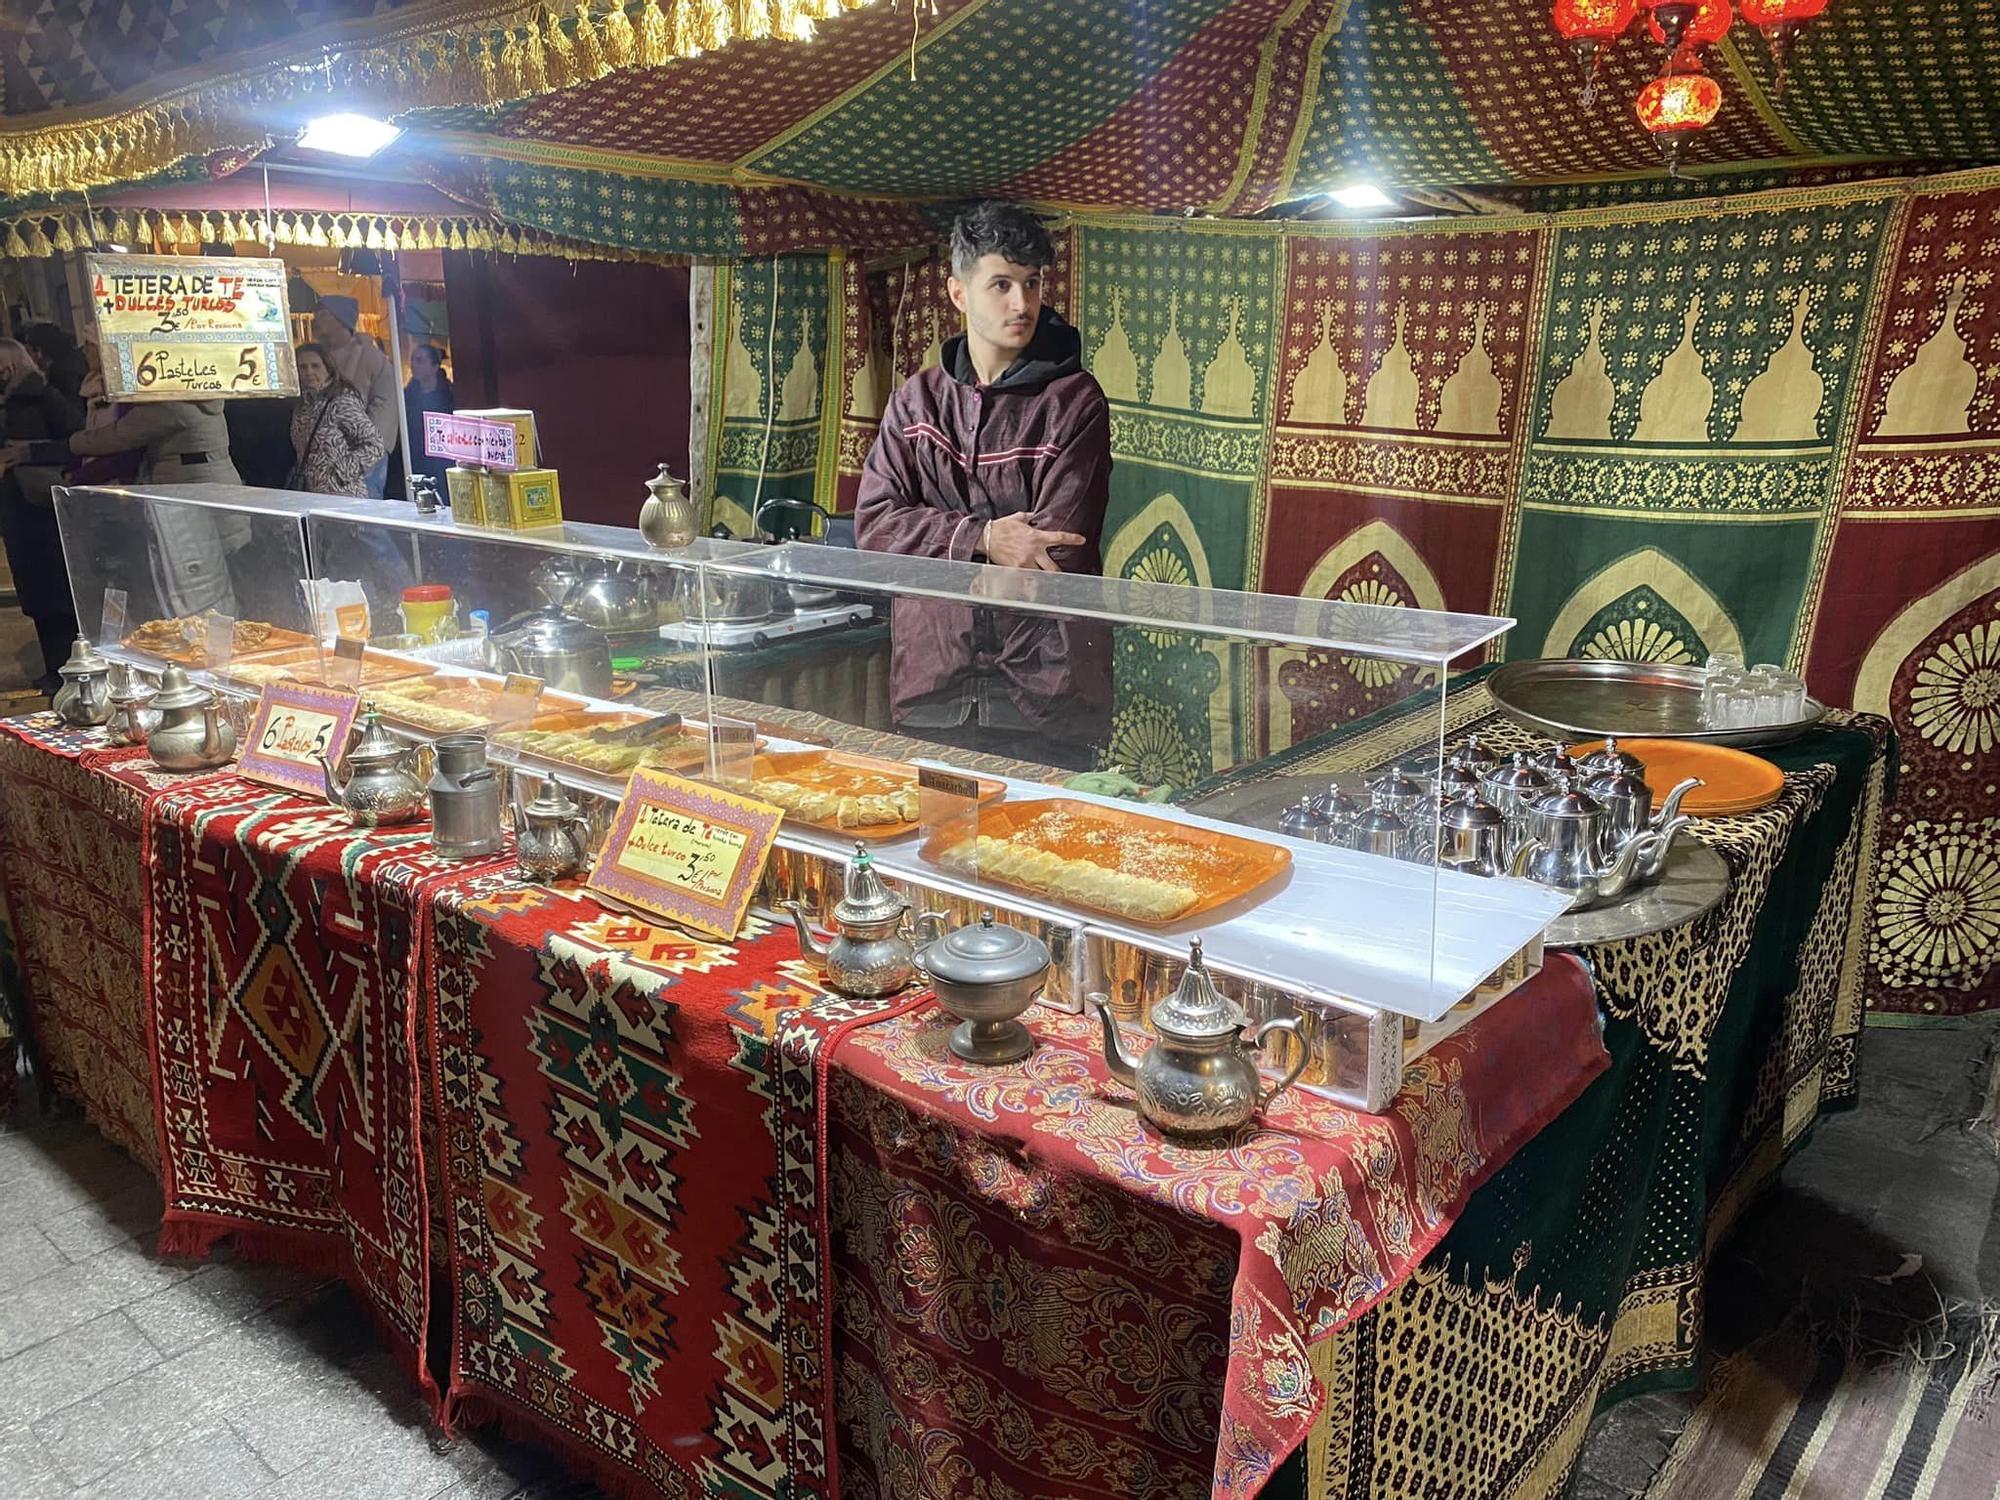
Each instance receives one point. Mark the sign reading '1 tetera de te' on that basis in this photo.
(687, 852)
(191, 327)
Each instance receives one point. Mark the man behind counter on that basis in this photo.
(1001, 453)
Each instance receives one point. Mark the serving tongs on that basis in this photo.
(659, 727)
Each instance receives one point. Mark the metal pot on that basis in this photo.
(987, 976)
(726, 598)
(563, 651)
(613, 597)
(554, 576)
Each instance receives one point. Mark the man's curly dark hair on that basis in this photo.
(995, 228)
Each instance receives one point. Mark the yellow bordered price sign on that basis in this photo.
(690, 853)
(294, 722)
(191, 327)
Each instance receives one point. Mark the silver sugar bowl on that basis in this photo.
(987, 975)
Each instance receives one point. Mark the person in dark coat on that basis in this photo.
(32, 410)
(1001, 454)
(429, 389)
(58, 356)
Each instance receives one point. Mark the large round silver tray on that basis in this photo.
(1696, 877)
(1646, 700)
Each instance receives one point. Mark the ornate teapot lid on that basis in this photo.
(1471, 811)
(129, 687)
(1611, 758)
(1521, 775)
(868, 899)
(1474, 756)
(1333, 805)
(1397, 785)
(178, 690)
(986, 953)
(553, 801)
(1197, 1011)
(85, 660)
(376, 747)
(1301, 818)
(1568, 804)
(1558, 765)
(1455, 779)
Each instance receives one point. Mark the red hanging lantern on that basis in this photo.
(1677, 23)
(1781, 21)
(1682, 100)
(1592, 25)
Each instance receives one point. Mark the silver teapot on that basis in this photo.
(1198, 1078)
(84, 699)
(1382, 829)
(1472, 836)
(1628, 805)
(1475, 757)
(193, 734)
(1564, 849)
(1514, 785)
(551, 834)
(133, 716)
(986, 975)
(377, 783)
(870, 952)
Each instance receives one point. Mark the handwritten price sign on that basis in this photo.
(690, 853)
(293, 725)
(173, 327)
(471, 440)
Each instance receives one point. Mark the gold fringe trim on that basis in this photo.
(146, 231)
(502, 56)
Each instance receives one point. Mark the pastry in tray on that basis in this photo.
(857, 794)
(185, 640)
(442, 704)
(1125, 864)
(610, 744)
(305, 664)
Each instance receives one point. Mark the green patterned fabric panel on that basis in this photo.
(610, 208)
(771, 332)
(1389, 109)
(959, 126)
(1888, 79)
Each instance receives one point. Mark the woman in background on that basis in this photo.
(335, 442)
(34, 412)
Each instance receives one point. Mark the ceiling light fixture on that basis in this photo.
(1361, 195)
(348, 135)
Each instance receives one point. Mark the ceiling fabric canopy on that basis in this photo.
(1225, 107)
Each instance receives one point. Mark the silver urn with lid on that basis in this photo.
(987, 975)
(465, 799)
(1199, 1078)
(84, 699)
(869, 952)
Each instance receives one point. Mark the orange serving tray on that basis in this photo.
(303, 664)
(849, 775)
(1733, 781)
(1235, 866)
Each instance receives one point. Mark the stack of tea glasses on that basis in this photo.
(1733, 698)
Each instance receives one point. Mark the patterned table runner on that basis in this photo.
(1039, 1293)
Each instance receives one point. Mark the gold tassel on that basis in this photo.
(534, 62)
(457, 240)
(15, 246)
(373, 238)
(310, 232)
(507, 241)
(511, 85)
(653, 37)
(590, 63)
(488, 75)
(620, 43)
(423, 240)
(718, 24)
(37, 242)
(287, 230)
(142, 231)
(121, 229)
(63, 243)
(755, 22)
(687, 28)
(393, 238)
(559, 55)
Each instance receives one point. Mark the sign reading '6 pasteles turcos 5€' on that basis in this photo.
(294, 722)
(687, 852)
(191, 327)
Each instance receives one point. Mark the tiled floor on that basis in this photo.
(123, 1375)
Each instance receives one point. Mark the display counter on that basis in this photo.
(999, 687)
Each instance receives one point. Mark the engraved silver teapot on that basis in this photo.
(133, 716)
(1564, 849)
(84, 699)
(551, 834)
(1198, 1078)
(377, 783)
(193, 734)
(870, 951)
